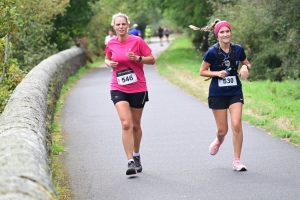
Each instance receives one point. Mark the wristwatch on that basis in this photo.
(140, 59)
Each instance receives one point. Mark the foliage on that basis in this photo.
(57, 148)
(195, 12)
(98, 27)
(13, 75)
(258, 25)
(268, 32)
(286, 27)
(184, 13)
(10, 23)
(138, 11)
(12, 78)
(31, 43)
(4, 96)
(267, 29)
(26, 22)
(72, 23)
(10, 20)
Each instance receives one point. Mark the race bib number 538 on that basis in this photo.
(227, 81)
(126, 76)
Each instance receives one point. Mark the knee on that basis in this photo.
(222, 131)
(236, 128)
(136, 127)
(126, 125)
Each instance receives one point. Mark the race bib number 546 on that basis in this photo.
(126, 76)
(227, 81)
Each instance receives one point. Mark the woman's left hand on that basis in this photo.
(244, 72)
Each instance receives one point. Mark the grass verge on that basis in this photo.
(60, 176)
(272, 106)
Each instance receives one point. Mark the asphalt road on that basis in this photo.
(177, 131)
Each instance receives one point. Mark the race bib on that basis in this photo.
(126, 76)
(227, 81)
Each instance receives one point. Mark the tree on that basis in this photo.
(267, 29)
(11, 75)
(31, 43)
(10, 20)
(185, 13)
(9, 23)
(72, 23)
(138, 12)
(286, 20)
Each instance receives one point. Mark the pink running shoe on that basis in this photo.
(214, 146)
(238, 166)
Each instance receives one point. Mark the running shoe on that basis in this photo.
(214, 146)
(131, 168)
(238, 166)
(138, 165)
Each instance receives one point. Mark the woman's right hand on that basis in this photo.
(113, 64)
(222, 74)
(110, 62)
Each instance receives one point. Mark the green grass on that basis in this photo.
(180, 65)
(180, 54)
(272, 106)
(275, 106)
(57, 148)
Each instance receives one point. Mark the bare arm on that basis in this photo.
(110, 63)
(205, 72)
(150, 60)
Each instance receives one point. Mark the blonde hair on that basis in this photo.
(206, 28)
(119, 15)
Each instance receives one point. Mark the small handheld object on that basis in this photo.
(227, 70)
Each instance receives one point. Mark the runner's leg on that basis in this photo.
(125, 115)
(236, 126)
(222, 128)
(221, 122)
(137, 130)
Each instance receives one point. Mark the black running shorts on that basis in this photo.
(135, 100)
(223, 102)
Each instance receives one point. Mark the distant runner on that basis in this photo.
(135, 31)
(160, 32)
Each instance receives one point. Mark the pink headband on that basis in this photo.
(219, 25)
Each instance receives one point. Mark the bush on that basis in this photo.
(12, 77)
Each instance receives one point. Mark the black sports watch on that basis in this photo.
(140, 59)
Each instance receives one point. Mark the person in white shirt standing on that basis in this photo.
(109, 36)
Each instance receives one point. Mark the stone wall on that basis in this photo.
(25, 137)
